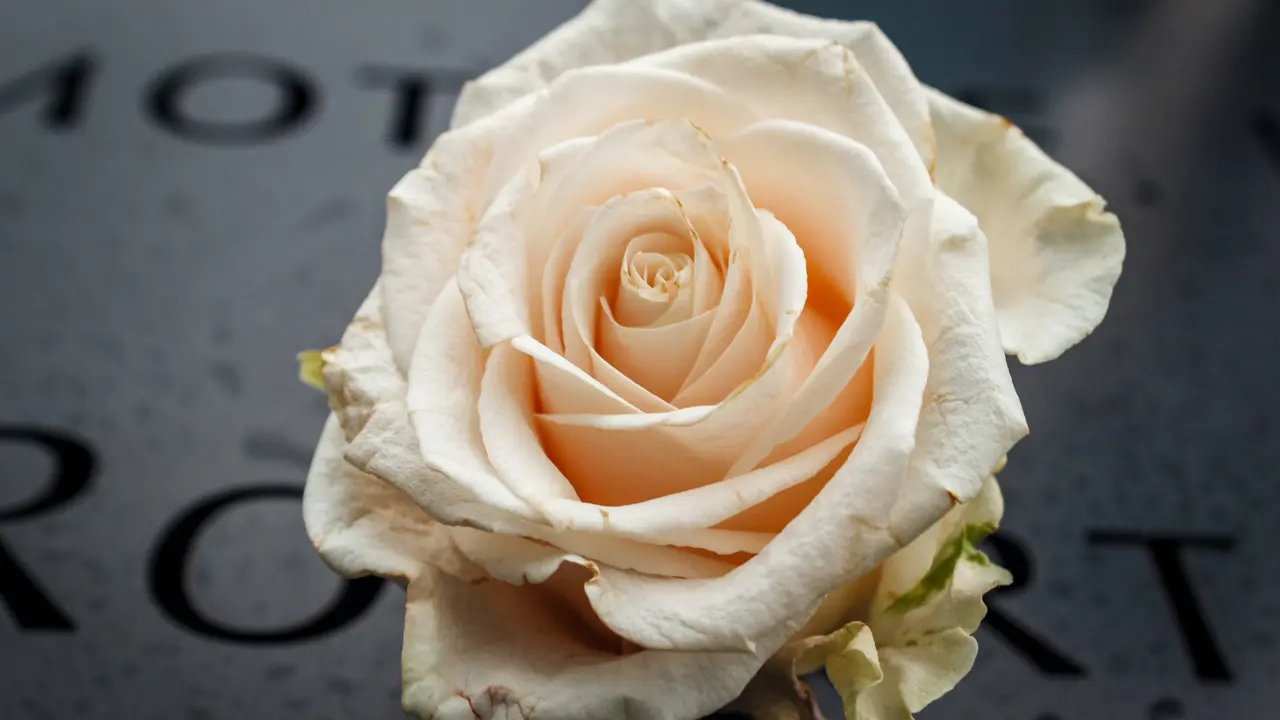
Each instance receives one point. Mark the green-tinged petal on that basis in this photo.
(948, 594)
(916, 644)
(917, 675)
(856, 666)
(311, 368)
(961, 546)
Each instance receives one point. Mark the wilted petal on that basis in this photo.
(359, 372)
(938, 581)
(1055, 252)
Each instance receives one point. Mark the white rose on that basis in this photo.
(686, 348)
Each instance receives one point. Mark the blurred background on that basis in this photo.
(192, 192)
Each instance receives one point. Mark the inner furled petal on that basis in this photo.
(732, 356)
(678, 448)
(593, 277)
(650, 333)
(848, 219)
(852, 404)
(656, 281)
(633, 156)
(672, 452)
(658, 357)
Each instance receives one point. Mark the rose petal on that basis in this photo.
(593, 275)
(653, 157)
(359, 372)
(444, 384)
(536, 220)
(588, 101)
(773, 323)
(566, 388)
(928, 605)
(661, 258)
(515, 559)
(609, 32)
(856, 242)
(431, 216)
(818, 82)
(606, 32)
(459, 473)
(361, 525)
(500, 650)
(366, 394)
(660, 454)
(505, 413)
(839, 536)
(877, 55)
(707, 505)
(657, 358)
(971, 416)
(1055, 252)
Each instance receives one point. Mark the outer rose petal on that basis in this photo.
(367, 396)
(606, 32)
(431, 216)
(614, 31)
(971, 415)
(1055, 253)
(886, 67)
(817, 82)
(495, 650)
(361, 525)
(479, 647)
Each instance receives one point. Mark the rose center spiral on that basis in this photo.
(657, 269)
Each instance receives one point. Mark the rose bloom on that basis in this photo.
(684, 374)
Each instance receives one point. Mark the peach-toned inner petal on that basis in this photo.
(594, 273)
(670, 324)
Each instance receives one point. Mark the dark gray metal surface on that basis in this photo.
(171, 233)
